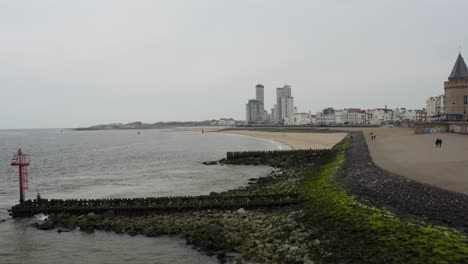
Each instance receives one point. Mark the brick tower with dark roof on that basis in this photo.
(456, 92)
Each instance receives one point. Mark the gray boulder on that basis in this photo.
(108, 214)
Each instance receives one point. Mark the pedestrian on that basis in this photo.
(437, 142)
(440, 143)
(372, 135)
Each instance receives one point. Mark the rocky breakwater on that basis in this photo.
(264, 236)
(285, 159)
(261, 235)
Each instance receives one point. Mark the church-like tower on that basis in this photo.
(456, 92)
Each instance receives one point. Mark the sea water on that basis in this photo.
(66, 164)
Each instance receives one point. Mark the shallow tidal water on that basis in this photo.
(106, 164)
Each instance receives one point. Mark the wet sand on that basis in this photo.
(296, 140)
(200, 128)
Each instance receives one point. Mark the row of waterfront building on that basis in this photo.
(450, 106)
(285, 113)
(352, 117)
(360, 117)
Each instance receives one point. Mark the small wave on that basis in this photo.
(281, 146)
(41, 217)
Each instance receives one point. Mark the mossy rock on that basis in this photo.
(46, 225)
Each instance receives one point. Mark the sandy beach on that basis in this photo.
(417, 158)
(293, 140)
(296, 140)
(200, 128)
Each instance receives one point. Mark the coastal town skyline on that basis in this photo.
(203, 132)
(451, 105)
(80, 64)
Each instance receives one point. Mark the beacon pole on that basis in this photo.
(21, 161)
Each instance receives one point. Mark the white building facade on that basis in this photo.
(350, 116)
(226, 122)
(300, 119)
(381, 116)
(435, 107)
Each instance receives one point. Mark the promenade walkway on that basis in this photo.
(383, 188)
(400, 151)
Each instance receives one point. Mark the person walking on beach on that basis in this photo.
(372, 135)
(437, 142)
(440, 143)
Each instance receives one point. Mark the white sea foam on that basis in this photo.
(41, 217)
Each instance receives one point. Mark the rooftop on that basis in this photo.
(459, 69)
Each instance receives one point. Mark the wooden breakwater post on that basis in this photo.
(248, 154)
(152, 205)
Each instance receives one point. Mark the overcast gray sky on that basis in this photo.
(80, 63)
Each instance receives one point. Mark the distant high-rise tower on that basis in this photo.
(260, 91)
(253, 111)
(456, 92)
(287, 90)
(284, 104)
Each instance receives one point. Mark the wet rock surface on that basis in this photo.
(285, 159)
(363, 178)
(210, 163)
(264, 236)
(241, 235)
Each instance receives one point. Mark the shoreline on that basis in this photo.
(308, 231)
(270, 234)
(296, 141)
(294, 138)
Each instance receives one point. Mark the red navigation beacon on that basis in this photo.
(22, 161)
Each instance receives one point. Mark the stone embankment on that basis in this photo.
(363, 178)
